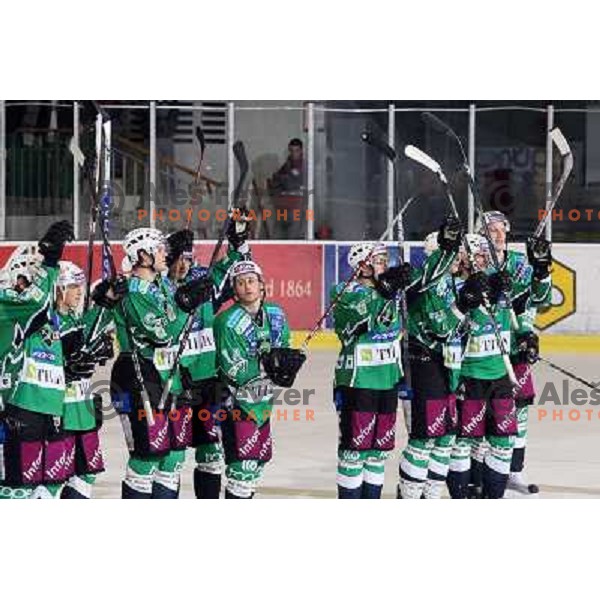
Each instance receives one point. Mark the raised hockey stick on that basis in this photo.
(567, 166)
(240, 155)
(559, 141)
(402, 305)
(94, 208)
(565, 151)
(443, 127)
(80, 158)
(202, 142)
(428, 162)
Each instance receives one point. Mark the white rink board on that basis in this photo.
(584, 259)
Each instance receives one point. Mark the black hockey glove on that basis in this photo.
(53, 242)
(237, 229)
(539, 254)
(191, 295)
(72, 343)
(118, 289)
(500, 284)
(282, 365)
(79, 366)
(393, 280)
(449, 237)
(470, 295)
(101, 349)
(179, 243)
(528, 346)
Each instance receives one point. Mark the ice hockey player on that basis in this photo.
(434, 317)
(198, 361)
(368, 370)
(253, 356)
(148, 326)
(86, 343)
(487, 423)
(531, 288)
(34, 451)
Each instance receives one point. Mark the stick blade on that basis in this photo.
(201, 140)
(368, 138)
(76, 152)
(560, 141)
(424, 159)
(239, 151)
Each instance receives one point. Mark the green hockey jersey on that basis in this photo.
(149, 315)
(369, 327)
(24, 331)
(241, 339)
(199, 355)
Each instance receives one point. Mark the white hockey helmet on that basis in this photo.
(494, 216)
(24, 263)
(364, 252)
(70, 274)
(431, 244)
(142, 238)
(244, 267)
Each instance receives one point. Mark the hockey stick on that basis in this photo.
(443, 127)
(201, 140)
(564, 150)
(401, 302)
(259, 206)
(568, 373)
(425, 160)
(557, 138)
(567, 166)
(106, 201)
(80, 158)
(240, 155)
(94, 209)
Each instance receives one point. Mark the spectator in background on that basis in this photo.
(286, 188)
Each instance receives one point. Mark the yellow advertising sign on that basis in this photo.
(564, 302)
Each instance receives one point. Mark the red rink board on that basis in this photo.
(293, 273)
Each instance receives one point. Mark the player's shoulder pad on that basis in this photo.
(230, 316)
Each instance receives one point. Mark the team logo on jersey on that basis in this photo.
(151, 321)
(361, 308)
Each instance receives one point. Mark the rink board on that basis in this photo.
(300, 276)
